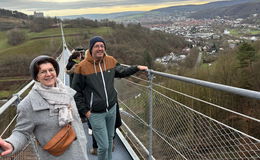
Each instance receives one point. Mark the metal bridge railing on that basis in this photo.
(166, 123)
(7, 120)
(168, 118)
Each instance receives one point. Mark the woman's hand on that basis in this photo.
(5, 147)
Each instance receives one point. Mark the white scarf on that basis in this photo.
(58, 97)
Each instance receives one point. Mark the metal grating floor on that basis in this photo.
(120, 152)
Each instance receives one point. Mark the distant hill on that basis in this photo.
(121, 16)
(236, 11)
(11, 19)
(102, 16)
(200, 11)
(10, 13)
(211, 5)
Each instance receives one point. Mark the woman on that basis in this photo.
(74, 59)
(44, 111)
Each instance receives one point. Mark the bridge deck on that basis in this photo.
(119, 153)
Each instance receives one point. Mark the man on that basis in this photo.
(96, 96)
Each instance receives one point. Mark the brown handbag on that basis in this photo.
(61, 141)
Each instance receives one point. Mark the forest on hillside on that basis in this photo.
(130, 44)
(9, 13)
(14, 19)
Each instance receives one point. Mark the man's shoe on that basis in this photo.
(93, 151)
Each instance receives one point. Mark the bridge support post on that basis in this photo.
(150, 132)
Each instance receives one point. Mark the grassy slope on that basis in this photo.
(32, 48)
(240, 32)
(3, 41)
(11, 20)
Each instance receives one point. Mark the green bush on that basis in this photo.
(16, 36)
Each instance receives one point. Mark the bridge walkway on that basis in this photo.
(120, 152)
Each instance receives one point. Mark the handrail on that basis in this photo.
(222, 87)
(15, 97)
(234, 90)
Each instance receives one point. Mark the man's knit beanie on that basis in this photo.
(93, 40)
(34, 66)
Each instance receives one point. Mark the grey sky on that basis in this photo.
(58, 5)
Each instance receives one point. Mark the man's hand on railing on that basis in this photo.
(142, 68)
(5, 147)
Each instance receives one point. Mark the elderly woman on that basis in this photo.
(45, 111)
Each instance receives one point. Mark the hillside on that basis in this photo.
(179, 11)
(7, 23)
(160, 11)
(12, 19)
(157, 14)
(130, 44)
(211, 5)
(236, 11)
(10, 13)
(102, 16)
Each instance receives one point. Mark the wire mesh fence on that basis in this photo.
(28, 153)
(8, 121)
(182, 125)
(179, 131)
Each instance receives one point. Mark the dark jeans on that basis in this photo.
(94, 142)
(117, 124)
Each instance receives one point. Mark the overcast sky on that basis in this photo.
(75, 7)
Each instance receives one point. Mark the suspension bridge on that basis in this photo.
(168, 124)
